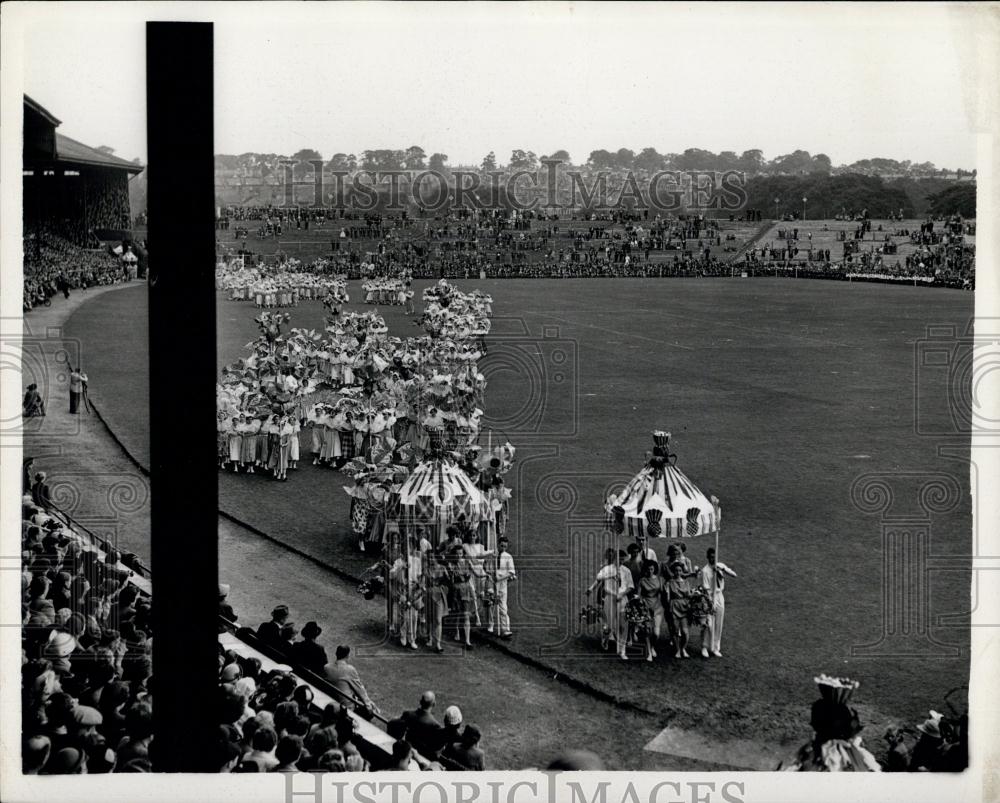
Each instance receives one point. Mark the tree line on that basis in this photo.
(751, 162)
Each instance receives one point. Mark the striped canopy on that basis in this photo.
(437, 492)
(661, 502)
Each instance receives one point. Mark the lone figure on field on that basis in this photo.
(77, 390)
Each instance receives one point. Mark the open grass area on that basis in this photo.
(779, 393)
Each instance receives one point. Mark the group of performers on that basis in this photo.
(434, 591)
(282, 286)
(389, 291)
(638, 595)
(364, 396)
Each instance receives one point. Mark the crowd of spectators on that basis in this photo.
(498, 244)
(54, 265)
(86, 647)
(272, 724)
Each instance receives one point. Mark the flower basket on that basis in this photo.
(700, 607)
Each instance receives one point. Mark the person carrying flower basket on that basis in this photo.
(616, 582)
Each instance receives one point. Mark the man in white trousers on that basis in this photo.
(503, 573)
(713, 580)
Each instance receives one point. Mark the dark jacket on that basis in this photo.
(309, 655)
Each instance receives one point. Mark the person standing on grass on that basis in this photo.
(679, 593)
(77, 388)
(504, 574)
(713, 580)
(615, 580)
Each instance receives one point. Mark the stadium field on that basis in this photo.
(780, 395)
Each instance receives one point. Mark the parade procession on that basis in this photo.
(401, 419)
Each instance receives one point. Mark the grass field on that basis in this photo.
(779, 394)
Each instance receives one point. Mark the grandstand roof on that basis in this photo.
(69, 150)
(37, 107)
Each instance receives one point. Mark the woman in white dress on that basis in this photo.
(615, 580)
(293, 455)
(235, 443)
(476, 554)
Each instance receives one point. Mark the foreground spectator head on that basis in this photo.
(453, 715)
(311, 631)
(427, 700)
(280, 614)
(228, 755)
(35, 753)
(343, 653)
(332, 761)
(573, 760)
(289, 750)
(68, 761)
(265, 740)
(402, 752)
(471, 736)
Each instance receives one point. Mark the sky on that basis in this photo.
(852, 81)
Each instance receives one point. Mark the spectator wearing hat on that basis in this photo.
(270, 632)
(308, 653)
(927, 750)
(452, 730)
(225, 609)
(467, 751)
(35, 753)
(345, 678)
(67, 761)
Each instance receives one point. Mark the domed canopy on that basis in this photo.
(661, 502)
(438, 491)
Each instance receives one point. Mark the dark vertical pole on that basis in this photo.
(179, 83)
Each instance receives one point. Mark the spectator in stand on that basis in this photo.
(263, 746)
(452, 730)
(33, 404)
(288, 752)
(40, 491)
(307, 653)
(402, 755)
(342, 674)
(225, 609)
(423, 730)
(35, 754)
(467, 751)
(270, 632)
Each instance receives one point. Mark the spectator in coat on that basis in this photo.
(467, 752)
(270, 632)
(307, 653)
(344, 677)
(422, 729)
